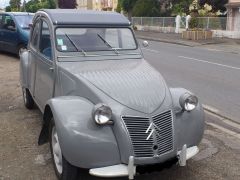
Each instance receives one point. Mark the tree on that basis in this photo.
(35, 5)
(67, 4)
(8, 9)
(148, 8)
(217, 5)
(15, 5)
(181, 6)
(119, 6)
(127, 6)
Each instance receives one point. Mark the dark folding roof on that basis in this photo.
(86, 17)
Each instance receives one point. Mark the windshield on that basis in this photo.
(24, 20)
(94, 39)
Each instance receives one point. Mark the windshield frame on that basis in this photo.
(90, 53)
(25, 15)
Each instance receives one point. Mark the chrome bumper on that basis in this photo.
(129, 170)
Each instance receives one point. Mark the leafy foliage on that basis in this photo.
(15, 5)
(216, 4)
(67, 4)
(194, 23)
(35, 5)
(127, 6)
(149, 8)
(181, 7)
(8, 9)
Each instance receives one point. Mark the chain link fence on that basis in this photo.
(168, 24)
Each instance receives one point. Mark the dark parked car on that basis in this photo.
(105, 108)
(14, 31)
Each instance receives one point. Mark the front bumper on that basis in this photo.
(129, 170)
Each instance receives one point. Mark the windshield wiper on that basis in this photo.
(77, 48)
(105, 42)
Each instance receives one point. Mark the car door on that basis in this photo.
(9, 34)
(44, 81)
(33, 53)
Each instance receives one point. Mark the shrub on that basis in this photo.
(193, 24)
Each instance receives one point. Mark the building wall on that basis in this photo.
(233, 19)
(234, 1)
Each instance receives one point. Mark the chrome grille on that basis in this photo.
(164, 132)
(137, 127)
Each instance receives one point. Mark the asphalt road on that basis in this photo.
(214, 76)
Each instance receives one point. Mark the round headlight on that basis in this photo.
(188, 101)
(102, 114)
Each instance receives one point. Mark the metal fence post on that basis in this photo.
(208, 23)
(163, 22)
(141, 21)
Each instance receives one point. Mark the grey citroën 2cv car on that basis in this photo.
(105, 109)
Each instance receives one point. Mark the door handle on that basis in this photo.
(51, 69)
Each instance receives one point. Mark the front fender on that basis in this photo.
(190, 125)
(84, 143)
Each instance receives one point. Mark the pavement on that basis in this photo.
(216, 44)
(212, 75)
(22, 159)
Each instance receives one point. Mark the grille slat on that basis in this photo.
(137, 127)
(165, 138)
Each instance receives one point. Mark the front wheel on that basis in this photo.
(27, 98)
(63, 169)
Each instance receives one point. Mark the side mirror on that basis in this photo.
(11, 28)
(145, 43)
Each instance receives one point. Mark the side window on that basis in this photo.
(45, 41)
(35, 36)
(8, 23)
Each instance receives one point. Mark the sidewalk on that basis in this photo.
(217, 44)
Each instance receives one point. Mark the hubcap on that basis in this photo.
(57, 153)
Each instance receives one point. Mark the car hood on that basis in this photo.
(133, 83)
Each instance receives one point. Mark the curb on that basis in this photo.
(167, 41)
(220, 115)
(184, 43)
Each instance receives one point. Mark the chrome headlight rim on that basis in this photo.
(102, 114)
(188, 101)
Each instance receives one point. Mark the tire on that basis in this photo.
(27, 99)
(20, 48)
(63, 170)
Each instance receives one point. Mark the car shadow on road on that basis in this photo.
(10, 55)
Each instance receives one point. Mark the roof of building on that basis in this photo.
(85, 17)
